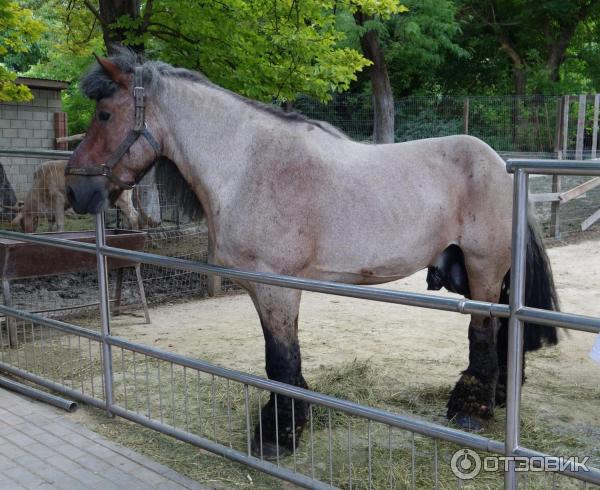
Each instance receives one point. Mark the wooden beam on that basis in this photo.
(545, 197)
(466, 116)
(595, 126)
(566, 110)
(580, 127)
(590, 221)
(73, 137)
(578, 191)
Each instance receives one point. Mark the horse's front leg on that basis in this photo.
(279, 430)
(472, 399)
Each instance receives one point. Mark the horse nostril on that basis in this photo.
(70, 194)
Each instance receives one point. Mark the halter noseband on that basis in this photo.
(139, 129)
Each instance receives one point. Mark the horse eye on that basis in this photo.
(104, 116)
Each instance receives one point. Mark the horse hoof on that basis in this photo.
(469, 422)
(269, 451)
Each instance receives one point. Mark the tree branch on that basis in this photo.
(93, 10)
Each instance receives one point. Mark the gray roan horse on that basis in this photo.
(288, 195)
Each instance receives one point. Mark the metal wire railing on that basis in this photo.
(215, 408)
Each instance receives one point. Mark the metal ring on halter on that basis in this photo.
(140, 129)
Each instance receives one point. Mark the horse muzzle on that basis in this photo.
(86, 194)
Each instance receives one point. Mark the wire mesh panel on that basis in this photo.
(67, 360)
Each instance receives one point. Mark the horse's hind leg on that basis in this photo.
(473, 397)
(278, 312)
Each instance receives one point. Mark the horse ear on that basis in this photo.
(113, 71)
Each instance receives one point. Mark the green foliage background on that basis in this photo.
(308, 50)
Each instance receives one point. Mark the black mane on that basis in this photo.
(96, 84)
(173, 188)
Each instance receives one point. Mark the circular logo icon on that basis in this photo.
(465, 464)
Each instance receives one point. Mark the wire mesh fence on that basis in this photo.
(511, 125)
(169, 232)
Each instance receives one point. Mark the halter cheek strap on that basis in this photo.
(139, 129)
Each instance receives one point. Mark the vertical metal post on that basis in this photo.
(107, 367)
(515, 326)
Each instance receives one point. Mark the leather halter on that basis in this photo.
(139, 129)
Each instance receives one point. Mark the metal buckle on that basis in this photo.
(138, 96)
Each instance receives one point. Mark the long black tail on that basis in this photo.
(539, 293)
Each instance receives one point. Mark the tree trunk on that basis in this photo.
(383, 98)
(109, 13)
(520, 79)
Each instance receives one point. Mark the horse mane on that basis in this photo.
(96, 84)
(172, 187)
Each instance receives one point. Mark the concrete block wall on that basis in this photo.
(27, 125)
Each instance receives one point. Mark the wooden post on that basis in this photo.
(11, 322)
(558, 139)
(213, 282)
(595, 127)
(466, 116)
(60, 130)
(565, 125)
(138, 275)
(580, 127)
(560, 145)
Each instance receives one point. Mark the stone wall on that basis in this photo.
(27, 125)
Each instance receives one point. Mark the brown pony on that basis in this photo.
(285, 194)
(47, 198)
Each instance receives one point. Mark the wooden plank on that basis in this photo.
(558, 138)
(580, 127)
(466, 116)
(565, 143)
(74, 137)
(544, 197)
(213, 282)
(595, 129)
(578, 191)
(590, 221)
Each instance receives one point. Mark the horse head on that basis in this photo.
(25, 222)
(118, 147)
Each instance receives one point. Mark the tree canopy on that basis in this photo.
(18, 32)
(276, 50)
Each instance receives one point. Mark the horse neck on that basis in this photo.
(200, 126)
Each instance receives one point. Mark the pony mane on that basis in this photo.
(172, 187)
(96, 84)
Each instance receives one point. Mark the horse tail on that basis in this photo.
(540, 292)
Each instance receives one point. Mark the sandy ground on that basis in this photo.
(412, 345)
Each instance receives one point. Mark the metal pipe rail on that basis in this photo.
(554, 167)
(56, 401)
(432, 301)
(29, 153)
(428, 429)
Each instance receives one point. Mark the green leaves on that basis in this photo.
(18, 30)
(264, 49)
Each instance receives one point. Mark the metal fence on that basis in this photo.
(511, 124)
(172, 233)
(214, 408)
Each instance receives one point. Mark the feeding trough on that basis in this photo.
(20, 260)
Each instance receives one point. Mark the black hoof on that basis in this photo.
(471, 398)
(469, 422)
(269, 450)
